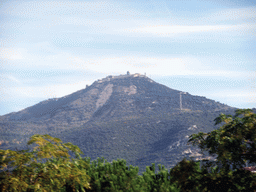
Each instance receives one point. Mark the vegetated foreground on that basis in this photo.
(49, 166)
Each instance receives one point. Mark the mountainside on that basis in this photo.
(126, 116)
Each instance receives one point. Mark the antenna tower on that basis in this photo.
(181, 99)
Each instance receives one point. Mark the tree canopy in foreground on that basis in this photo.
(234, 143)
(47, 167)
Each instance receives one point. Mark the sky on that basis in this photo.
(50, 49)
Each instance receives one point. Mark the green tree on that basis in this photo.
(115, 176)
(186, 174)
(158, 181)
(234, 143)
(48, 167)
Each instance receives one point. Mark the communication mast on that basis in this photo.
(181, 99)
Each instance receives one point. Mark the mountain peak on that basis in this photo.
(123, 77)
(127, 116)
(114, 97)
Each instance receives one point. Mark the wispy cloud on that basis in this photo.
(230, 96)
(45, 9)
(116, 64)
(234, 14)
(164, 66)
(171, 30)
(120, 19)
(12, 54)
(9, 79)
(43, 91)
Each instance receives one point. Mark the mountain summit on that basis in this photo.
(122, 96)
(127, 116)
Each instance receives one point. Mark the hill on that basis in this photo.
(126, 116)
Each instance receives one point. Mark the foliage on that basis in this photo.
(117, 176)
(104, 176)
(47, 167)
(233, 144)
(160, 181)
(186, 174)
(190, 177)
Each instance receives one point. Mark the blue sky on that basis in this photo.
(54, 48)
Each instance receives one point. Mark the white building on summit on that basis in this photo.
(108, 78)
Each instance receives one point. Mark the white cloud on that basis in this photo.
(234, 14)
(54, 9)
(9, 78)
(44, 91)
(234, 96)
(164, 66)
(116, 18)
(216, 73)
(151, 65)
(170, 30)
(109, 65)
(12, 53)
(119, 65)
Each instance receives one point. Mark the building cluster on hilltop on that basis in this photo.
(121, 76)
(110, 77)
